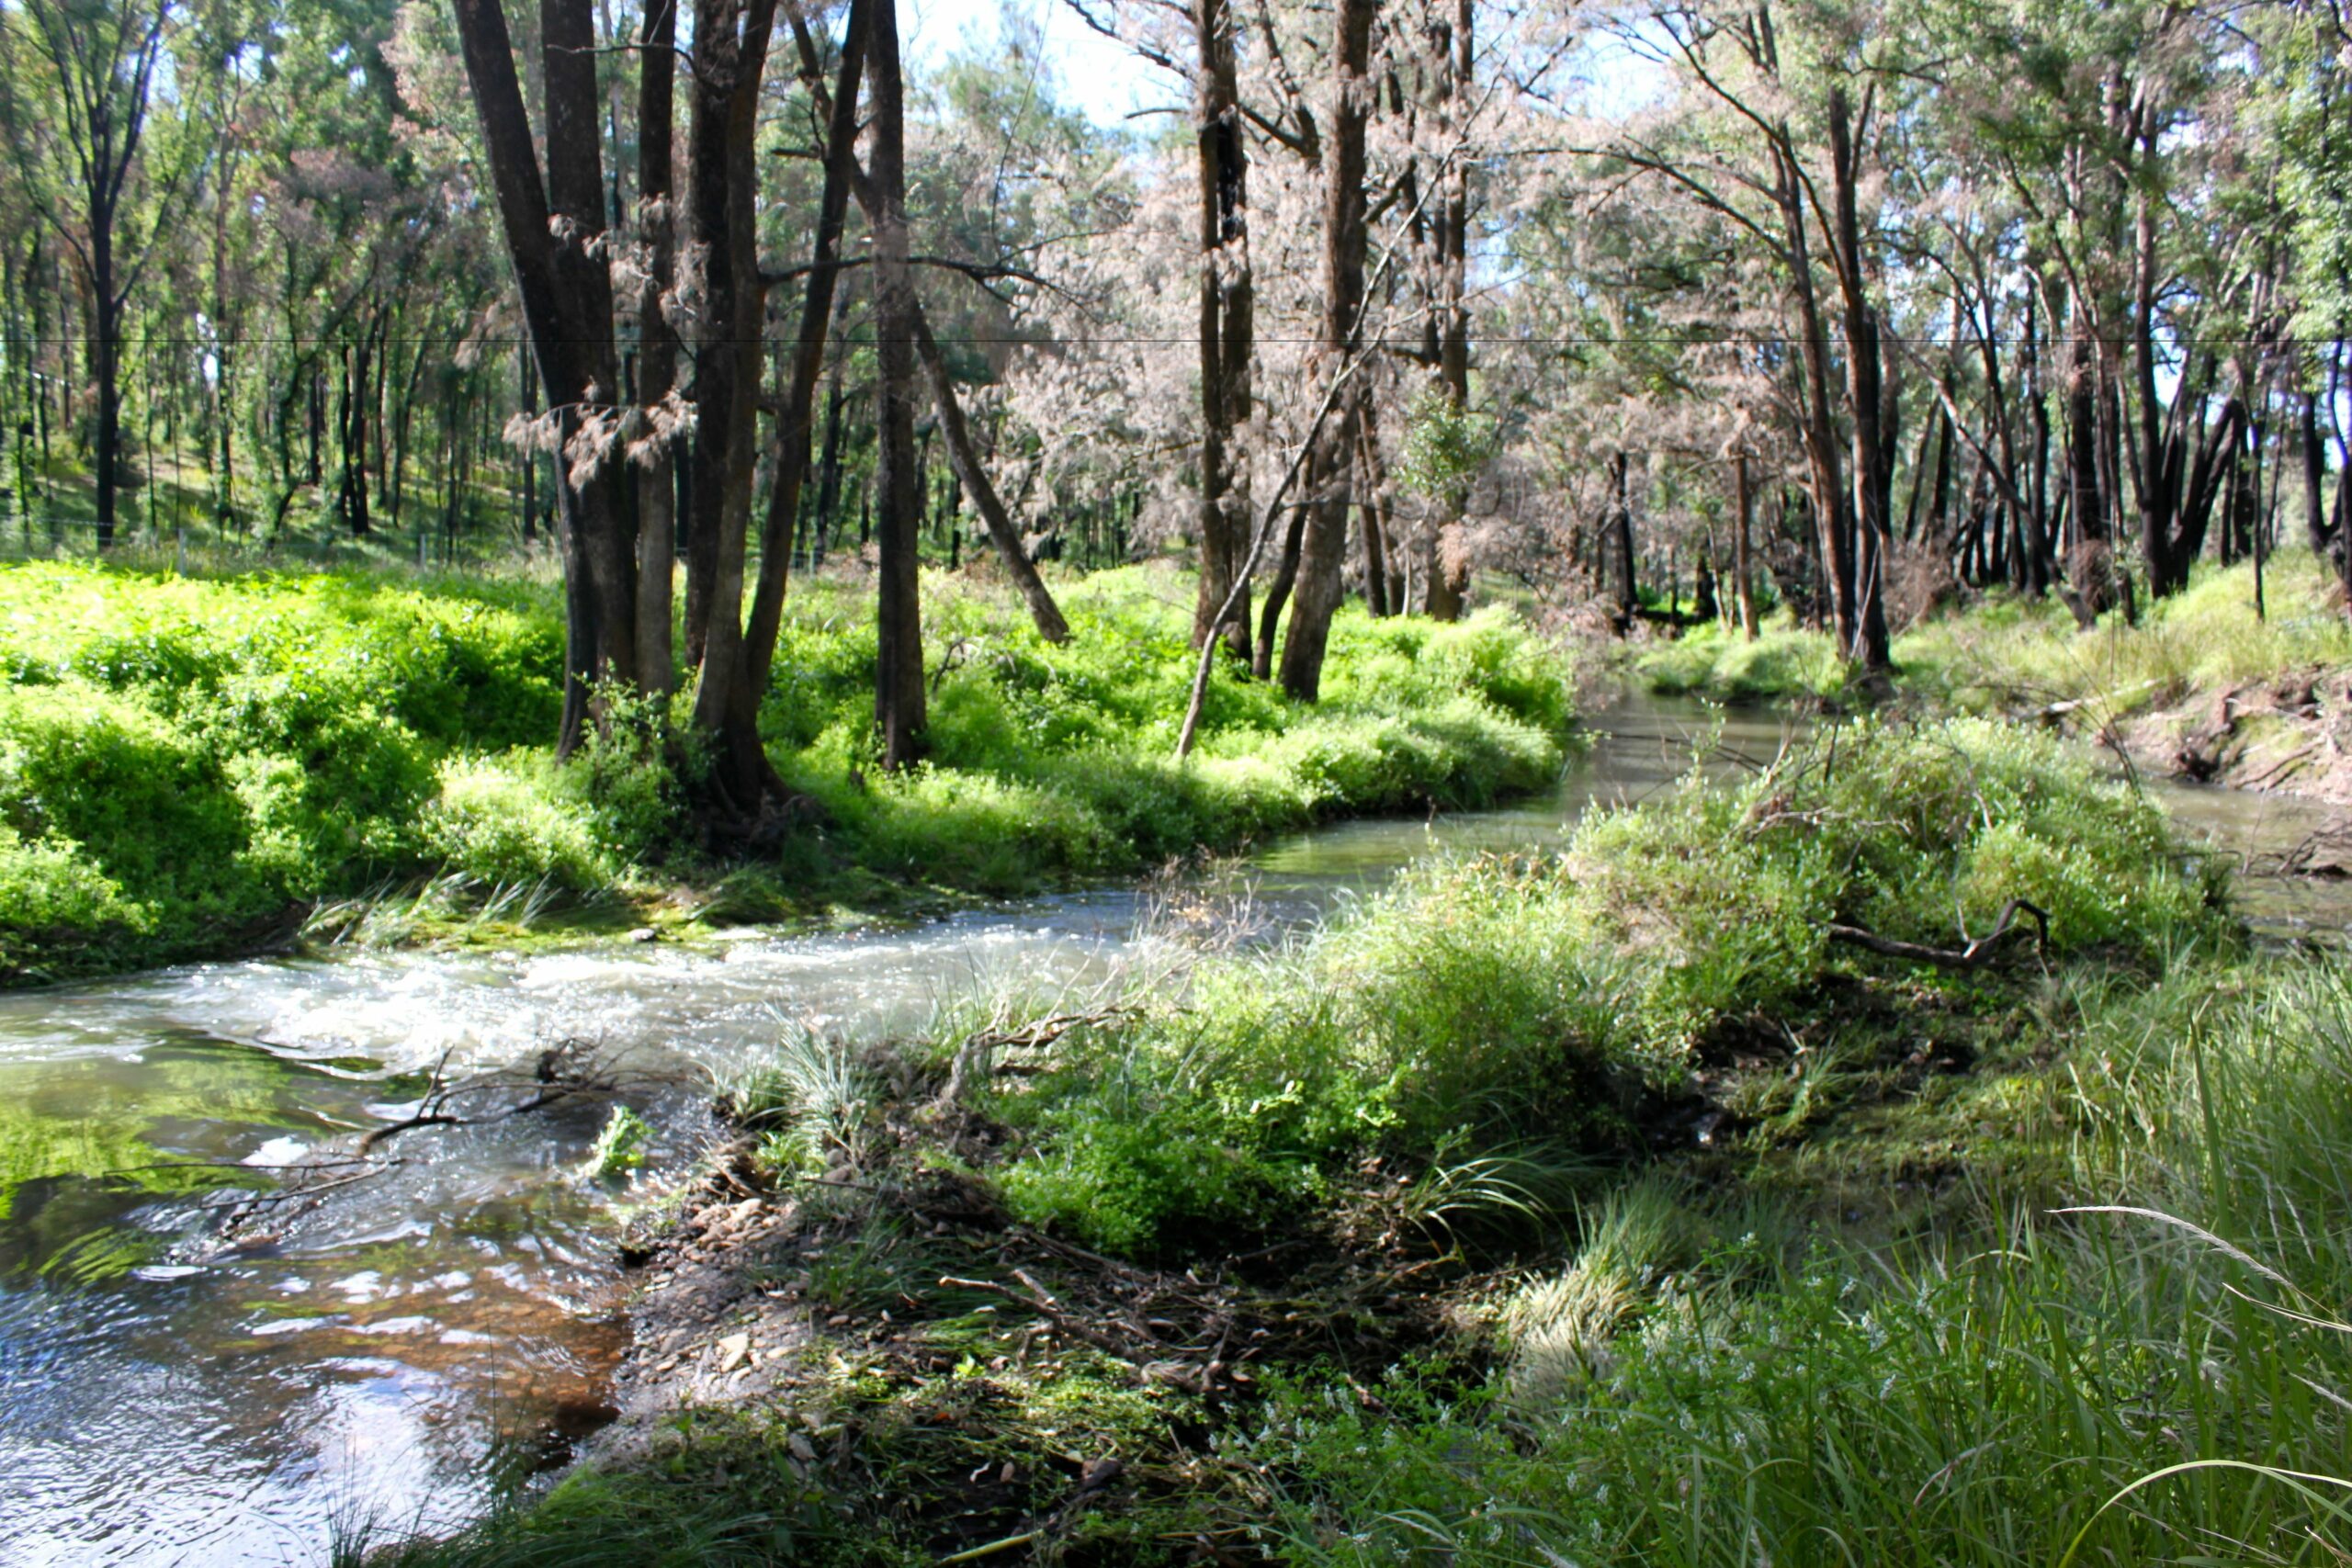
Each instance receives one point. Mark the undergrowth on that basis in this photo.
(187, 764)
(2120, 1369)
(1493, 1001)
(2005, 653)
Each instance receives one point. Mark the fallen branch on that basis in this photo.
(1034, 1035)
(1975, 955)
(563, 1071)
(1043, 1304)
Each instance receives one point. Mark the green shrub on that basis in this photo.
(113, 807)
(1484, 1000)
(511, 819)
(1135, 1187)
(180, 757)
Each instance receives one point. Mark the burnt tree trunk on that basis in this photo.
(729, 56)
(899, 697)
(1623, 592)
(568, 307)
(657, 485)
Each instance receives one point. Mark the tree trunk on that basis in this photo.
(105, 350)
(1625, 595)
(594, 512)
(2315, 531)
(807, 361)
(1227, 301)
(1873, 468)
(829, 467)
(1448, 574)
(1743, 574)
(973, 475)
(657, 518)
(1323, 546)
(899, 697)
(730, 53)
(1370, 510)
(359, 374)
(1278, 590)
(1833, 507)
(568, 307)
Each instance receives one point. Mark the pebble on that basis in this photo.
(733, 1352)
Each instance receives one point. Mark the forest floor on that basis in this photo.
(1704, 1195)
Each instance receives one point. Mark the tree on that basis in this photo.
(1323, 544)
(1228, 303)
(657, 487)
(730, 52)
(553, 226)
(899, 695)
(78, 96)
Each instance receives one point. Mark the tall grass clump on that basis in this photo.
(1483, 1001)
(2149, 1366)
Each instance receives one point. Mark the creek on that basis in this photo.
(395, 1353)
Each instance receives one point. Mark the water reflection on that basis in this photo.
(402, 1351)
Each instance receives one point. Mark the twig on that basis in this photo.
(992, 1548)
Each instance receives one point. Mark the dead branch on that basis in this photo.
(566, 1070)
(1975, 955)
(980, 1049)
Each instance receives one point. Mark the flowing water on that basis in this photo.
(396, 1351)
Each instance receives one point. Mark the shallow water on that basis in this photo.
(414, 1342)
(405, 1348)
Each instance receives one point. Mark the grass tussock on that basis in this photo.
(2123, 1372)
(187, 763)
(1489, 1003)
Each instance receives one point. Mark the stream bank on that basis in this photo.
(881, 1361)
(405, 1353)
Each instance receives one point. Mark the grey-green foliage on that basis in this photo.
(1445, 445)
(2302, 110)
